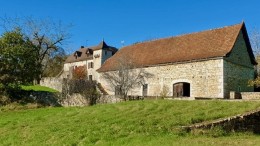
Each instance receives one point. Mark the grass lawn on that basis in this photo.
(38, 88)
(148, 122)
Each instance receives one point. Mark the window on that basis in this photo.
(90, 77)
(90, 65)
(117, 90)
(105, 52)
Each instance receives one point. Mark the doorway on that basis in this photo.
(181, 89)
(145, 89)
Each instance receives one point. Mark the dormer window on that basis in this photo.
(77, 54)
(89, 52)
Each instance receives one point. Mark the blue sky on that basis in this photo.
(131, 21)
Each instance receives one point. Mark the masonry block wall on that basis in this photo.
(205, 78)
(238, 69)
(52, 82)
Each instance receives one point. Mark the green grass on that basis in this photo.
(149, 122)
(38, 88)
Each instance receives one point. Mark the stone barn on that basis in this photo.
(207, 64)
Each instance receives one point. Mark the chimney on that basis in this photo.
(81, 47)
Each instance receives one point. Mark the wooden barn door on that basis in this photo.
(181, 90)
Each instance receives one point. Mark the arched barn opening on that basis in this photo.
(181, 89)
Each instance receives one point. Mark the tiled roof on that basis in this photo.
(201, 45)
(87, 52)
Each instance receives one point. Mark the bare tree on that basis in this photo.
(47, 36)
(165, 91)
(126, 77)
(87, 89)
(255, 41)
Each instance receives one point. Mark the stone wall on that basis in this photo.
(109, 99)
(205, 78)
(74, 100)
(238, 69)
(79, 100)
(236, 78)
(52, 82)
(41, 97)
(250, 95)
(245, 95)
(249, 121)
(56, 99)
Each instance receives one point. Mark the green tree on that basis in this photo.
(17, 60)
(46, 35)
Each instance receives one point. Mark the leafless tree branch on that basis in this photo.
(126, 77)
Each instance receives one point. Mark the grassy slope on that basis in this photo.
(38, 88)
(154, 122)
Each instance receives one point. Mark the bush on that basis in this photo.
(4, 100)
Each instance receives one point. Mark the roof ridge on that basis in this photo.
(192, 33)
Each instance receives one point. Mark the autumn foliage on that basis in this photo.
(79, 72)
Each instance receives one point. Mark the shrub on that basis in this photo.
(4, 100)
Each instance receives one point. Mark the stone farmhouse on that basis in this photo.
(90, 57)
(208, 64)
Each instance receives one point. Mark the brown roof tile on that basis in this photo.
(200, 45)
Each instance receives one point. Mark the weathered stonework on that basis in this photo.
(247, 122)
(238, 69)
(52, 82)
(205, 78)
(245, 95)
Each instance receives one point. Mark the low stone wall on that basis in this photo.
(250, 95)
(79, 100)
(56, 99)
(249, 121)
(109, 99)
(74, 100)
(52, 82)
(44, 98)
(245, 95)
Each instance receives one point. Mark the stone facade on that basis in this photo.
(238, 69)
(204, 76)
(99, 57)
